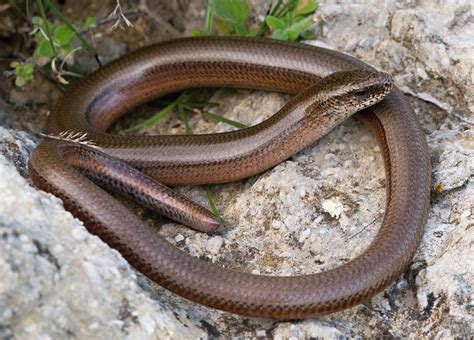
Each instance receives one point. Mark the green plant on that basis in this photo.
(23, 72)
(55, 44)
(59, 43)
(286, 20)
(289, 21)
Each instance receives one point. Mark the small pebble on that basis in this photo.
(333, 207)
(179, 238)
(214, 244)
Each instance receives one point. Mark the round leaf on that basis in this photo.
(63, 35)
(89, 22)
(280, 34)
(306, 7)
(234, 11)
(274, 23)
(44, 49)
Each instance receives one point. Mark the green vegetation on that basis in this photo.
(23, 72)
(286, 20)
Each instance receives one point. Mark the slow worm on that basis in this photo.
(96, 103)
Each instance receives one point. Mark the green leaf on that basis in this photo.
(23, 72)
(292, 34)
(28, 69)
(36, 21)
(308, 35)
(63, 35)
(39, 22)
(44, 49)
(63, 19)
(20, 81)
(301, 25)
(241, 30)
(89, 22)
(233, 11)
(274, 23)
(280, 34)
(224, 27)
(305, 7)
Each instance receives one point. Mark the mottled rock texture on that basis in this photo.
(313, 212)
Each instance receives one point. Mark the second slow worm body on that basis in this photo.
(215, 158)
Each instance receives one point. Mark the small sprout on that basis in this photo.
(23, 73)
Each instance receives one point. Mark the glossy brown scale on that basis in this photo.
(214, 158)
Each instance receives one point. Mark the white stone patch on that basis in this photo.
(333, 207)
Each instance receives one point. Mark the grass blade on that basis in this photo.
(224, 120)
(153, 119)
(184, 117)
(212, 205)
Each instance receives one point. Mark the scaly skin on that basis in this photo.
(257, 63)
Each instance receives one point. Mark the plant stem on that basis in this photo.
(47, 27)
(184, 117)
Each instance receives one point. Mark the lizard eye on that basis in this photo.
(361, 93)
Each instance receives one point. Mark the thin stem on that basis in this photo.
(47, 28)
(184, 117)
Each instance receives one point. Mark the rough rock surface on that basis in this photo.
(57, 279)
(315, 211)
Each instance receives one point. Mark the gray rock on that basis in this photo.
(60, 281)
(311, 213)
